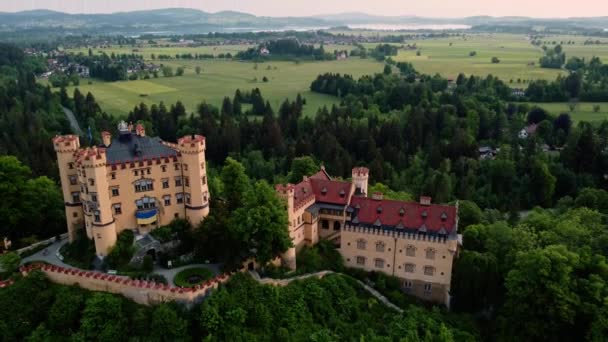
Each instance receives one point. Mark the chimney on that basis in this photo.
(425, 200)
(140, 130)
(377, 196)
(106, 138)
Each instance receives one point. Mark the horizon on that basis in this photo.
(300, 8)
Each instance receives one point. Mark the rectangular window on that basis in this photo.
(203, 165)
(407, 284)
(115, 192)
(178, 180)
(165, 182)
(117, 209)
(75, 197)
(379, 246)
(70, 166)
(185, 167)
(430, 253)
(429, 270)
(167, 199)
(163, 168)
(136, 173)
(187, 198)
(325, 224)
(410, 251)
(113, 174)
(179, 198)
(93, 197)
(176, 166)
(73, 180)
(204, 180)
(361, 244)
(360, 260)
(410, 268)
(91, 181)
(144, 185)
(97, 217)
(428, 288)
(148, 171)
(205, 197)
(379, 263)
(187, 181)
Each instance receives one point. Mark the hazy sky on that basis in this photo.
(428, 8)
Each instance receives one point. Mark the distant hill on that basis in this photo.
(182, 20)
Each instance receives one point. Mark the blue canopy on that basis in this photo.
(145, 214)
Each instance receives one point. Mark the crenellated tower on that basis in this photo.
(287, 193)
(194, 171)
(99, 220)
(360, 179)
(66, 147)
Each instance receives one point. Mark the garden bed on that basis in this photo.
(192, 276)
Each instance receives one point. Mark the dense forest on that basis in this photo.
(285, 48)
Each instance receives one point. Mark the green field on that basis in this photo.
(514, 51)
(221, 78)
(582, 112)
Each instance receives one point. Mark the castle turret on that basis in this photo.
(194, 170)
(287, 192)
(360, 179)
(99, 220)
(66, 147)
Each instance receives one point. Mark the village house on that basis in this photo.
(413, 241)
(131, 181)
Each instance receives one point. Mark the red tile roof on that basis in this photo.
(333, 192)
(388, 213)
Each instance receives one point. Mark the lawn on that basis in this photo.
(220, 78)
(582, 112)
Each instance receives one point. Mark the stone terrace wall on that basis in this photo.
(140, 291)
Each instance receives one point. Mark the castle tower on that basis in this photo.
(66, 147)
(194, 171)
(360, 180)
(287, 192)
(99, 220)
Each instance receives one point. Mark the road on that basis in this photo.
(50, 257)
(73, 122)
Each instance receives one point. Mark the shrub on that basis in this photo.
(495, 60)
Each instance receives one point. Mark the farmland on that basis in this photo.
(221, 78)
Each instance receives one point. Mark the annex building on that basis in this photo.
(413, 241)
(130, 181)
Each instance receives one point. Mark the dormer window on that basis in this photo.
(379, 209)
(401, 212)
(324, 190)
(444, 216)
(424, 214)
(342, 193)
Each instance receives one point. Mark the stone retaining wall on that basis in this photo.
(140, 291)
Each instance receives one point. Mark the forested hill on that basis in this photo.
(183, 20)
(30, 114)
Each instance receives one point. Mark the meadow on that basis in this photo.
(450, 56)
(583, 111)
(220, 78)
(446, 56)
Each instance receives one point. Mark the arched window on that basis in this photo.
(430, 253)
(410, 250)
(361, 244)
(380, 246)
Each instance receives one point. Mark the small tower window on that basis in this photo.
(401, 212)
(379, 209)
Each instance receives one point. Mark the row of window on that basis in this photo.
(408, 285)
(407, 267)
(325, 224)
(151, 203)
(410, 250)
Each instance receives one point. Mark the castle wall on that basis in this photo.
(142, 292)
(395, 256)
